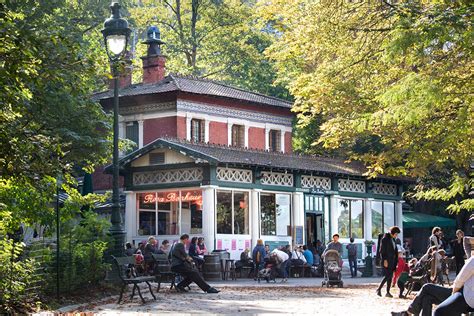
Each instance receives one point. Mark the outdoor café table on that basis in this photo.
(227, 266)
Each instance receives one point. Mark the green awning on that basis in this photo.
(421, 220)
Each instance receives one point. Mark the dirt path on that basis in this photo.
(350, 301)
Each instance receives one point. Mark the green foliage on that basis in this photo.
(82, 248)
(389, 84)
(219, 40)
(16, 278)
(47, 73)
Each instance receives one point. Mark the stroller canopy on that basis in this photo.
(332, 255)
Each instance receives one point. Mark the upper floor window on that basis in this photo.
(238, 136)
(275, 140)
(197, 130)
(131, 133)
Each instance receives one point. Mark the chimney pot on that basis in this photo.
(153, 63)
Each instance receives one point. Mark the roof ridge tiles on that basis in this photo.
(197, 78)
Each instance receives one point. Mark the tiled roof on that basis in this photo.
(196, 85)
(218, 154)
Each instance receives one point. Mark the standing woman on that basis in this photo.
(435, 239)
(389, 258)
(458, 250)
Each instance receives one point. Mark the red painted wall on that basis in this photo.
(256, 138)
(102, 181)
(159, 127)
(181, 127)
(288, 143)
(218, 133)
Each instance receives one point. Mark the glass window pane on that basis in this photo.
(224, 212)
(357, 218)
(146, 223)
(168, 206)
(191, 211)
(282, 214)
(342, 215)
(146, 201)
(241, 213)
(268, 214)
(388, 215)
(376, 219)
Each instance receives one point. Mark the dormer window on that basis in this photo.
(238, 135)
(197, 131)
(274, 140)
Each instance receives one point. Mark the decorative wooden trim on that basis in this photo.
(167, 176)
(309, 182)
(277, 178)
(234, 175)
(349, 185)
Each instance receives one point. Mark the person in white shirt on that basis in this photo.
(452, 302)
(298, 254)
(283, 260)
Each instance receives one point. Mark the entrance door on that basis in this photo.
(314, 228)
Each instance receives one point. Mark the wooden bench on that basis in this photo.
(163, 270)
(125, 271)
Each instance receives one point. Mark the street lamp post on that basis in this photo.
(116, 34)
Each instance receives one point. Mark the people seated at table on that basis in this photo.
(150, 249)
(201, 248)
(182, 264)
(165, 246)
(258, 255)
(452, 302)
(129, 250)
(193, 253)
(308, 255)
(245, 261)
(297, 257)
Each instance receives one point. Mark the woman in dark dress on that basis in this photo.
(458, 250)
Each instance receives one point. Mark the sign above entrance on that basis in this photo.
(172, 197)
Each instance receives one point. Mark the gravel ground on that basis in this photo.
(354, 299)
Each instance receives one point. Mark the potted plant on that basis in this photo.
(369, 244)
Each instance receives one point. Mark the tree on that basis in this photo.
(211, 39)
(49, 125)
(391, 80)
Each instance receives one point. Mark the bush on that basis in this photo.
(17, 278)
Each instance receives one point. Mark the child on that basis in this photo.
(401, 273)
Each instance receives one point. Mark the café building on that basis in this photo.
(216, 161)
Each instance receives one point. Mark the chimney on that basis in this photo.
(153, 62)
(125, 77)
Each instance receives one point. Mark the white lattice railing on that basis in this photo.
(315, 182)
(384, 188)
(167, 176)
(349, 185)
(234, 175)
(277, 178)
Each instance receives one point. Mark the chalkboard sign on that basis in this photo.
(346, 256)
(299, 235)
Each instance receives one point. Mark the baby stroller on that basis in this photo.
(332, 270)
(269, 272)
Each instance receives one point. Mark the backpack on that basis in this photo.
(352, 250)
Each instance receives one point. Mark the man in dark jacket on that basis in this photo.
(389, 258)
(181, 263)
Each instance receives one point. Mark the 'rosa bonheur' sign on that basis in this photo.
(172, 197)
